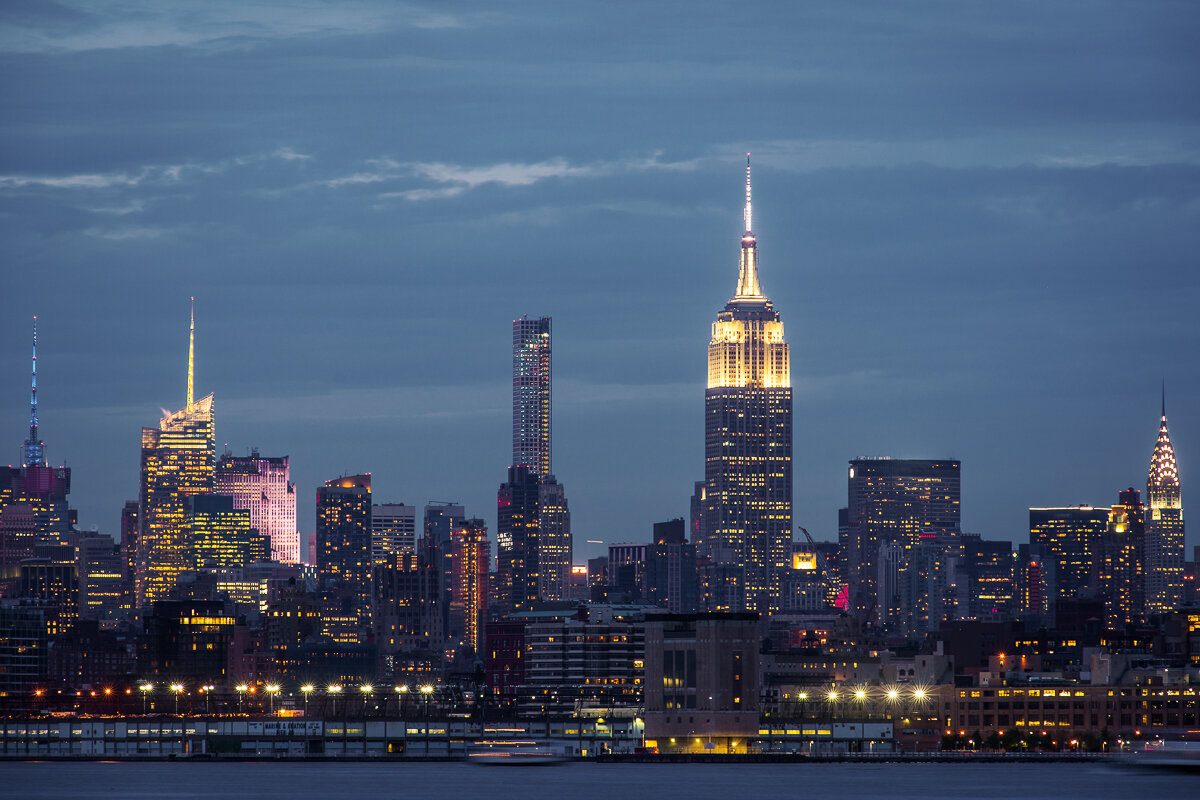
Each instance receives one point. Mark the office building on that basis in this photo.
(102, 586)
(344, 549)
(1120, 567)
(532, 385)
(1036, 584)
(393, 531)
(262, 485)
(222, 534)
(1072, 537)
(747, 515)
(893, 501)
(1164, 526)
(670, 579)
(517, 529)
(471, 553)
(178, 459)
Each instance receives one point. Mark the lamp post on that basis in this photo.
(241, 689)
(306, 690)
(333, 690)
(272, 690)
(207, 691)
(366, 689)
(177, 689)
(145, 689)
(426, 690)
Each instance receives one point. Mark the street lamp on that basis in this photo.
(207, 691)
(145, 689)
(177, 689)
(426, 690)
(272, 690)
(306, 690)
(241, 689)
(334, 690)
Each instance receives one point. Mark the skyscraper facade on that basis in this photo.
(222, 534)
(554, 540)
(517, 526)
(747, 516)
(546, 553)
(1120, 573)
(344, 539)
(393, 530)
(893, 501)
(262, 486)
(178, 459)
(531, 381)
(1071, 536)
(468, 589)
(1164, 525)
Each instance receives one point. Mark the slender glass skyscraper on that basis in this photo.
(1164, 525)
(534, 545)
(531, 382)
(747, 515)
(178, 459)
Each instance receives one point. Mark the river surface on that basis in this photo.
(583, 781)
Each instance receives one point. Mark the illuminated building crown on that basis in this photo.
(1163, 482)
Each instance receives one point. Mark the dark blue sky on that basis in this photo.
(980, 222)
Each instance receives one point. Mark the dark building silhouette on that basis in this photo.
(517, 527)
(344, 556)
(895, 503)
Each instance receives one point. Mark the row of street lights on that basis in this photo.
(333, 690)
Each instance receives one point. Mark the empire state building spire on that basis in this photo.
(33, 452)
(748, 288)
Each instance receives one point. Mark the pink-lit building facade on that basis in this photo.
(263, 487)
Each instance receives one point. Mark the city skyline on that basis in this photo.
(977, 217)
(38, 450)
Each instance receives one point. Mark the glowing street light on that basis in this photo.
(427, 690)
(860, 694)
(333, 690)
(241, 690)
(272, 690)
(145, 689)
(176, 689)
(893, 694)
(306, 690)
(832, 696)
(919, 695)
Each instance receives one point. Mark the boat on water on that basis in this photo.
(1176, 753)
(510, 753)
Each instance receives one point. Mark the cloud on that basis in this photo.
(111, 24)
(452, 179)
(161, 174)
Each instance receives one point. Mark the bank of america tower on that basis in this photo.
(746, 510)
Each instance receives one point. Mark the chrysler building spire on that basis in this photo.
(1162, 485)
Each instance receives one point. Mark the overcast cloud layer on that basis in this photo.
(979, 221)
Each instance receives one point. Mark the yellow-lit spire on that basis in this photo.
(191, 397)
(748, 288)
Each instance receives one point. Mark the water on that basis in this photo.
(583, 781)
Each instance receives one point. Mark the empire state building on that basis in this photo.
(746, 506)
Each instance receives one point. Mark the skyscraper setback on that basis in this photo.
(178, 459)
(746, 520)
(533, 530)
